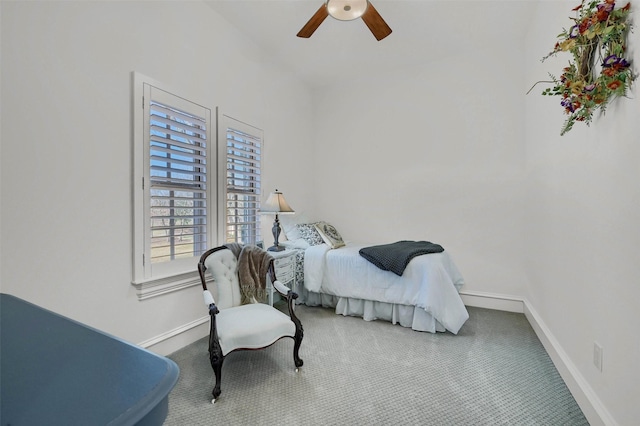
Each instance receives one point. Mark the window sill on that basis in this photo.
(153, 287)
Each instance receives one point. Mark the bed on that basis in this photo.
(332, 273)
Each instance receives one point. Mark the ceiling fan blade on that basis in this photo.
(376, 24)
(313, 23)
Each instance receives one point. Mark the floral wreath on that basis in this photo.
(598, 37)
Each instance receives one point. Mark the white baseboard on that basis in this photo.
(169, 342)
(499, 302)
(592, 407)
(585, 396)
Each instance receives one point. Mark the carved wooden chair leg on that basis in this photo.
(215, 354)
(296, 347)
(299, 330)
(216, 363)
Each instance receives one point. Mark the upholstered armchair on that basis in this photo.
(236, 326)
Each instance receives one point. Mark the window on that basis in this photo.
(175, 212)
(243, 180)
(177, 182)
(190, 192)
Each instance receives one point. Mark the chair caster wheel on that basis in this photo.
(213, 401)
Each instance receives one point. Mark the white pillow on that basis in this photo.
(288, 224)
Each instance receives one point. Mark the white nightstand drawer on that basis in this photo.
(284, 277)
(283, 269)
(284, 265)
(284, 262)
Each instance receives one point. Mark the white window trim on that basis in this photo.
(146, 285)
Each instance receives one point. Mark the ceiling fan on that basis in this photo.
(348, 10)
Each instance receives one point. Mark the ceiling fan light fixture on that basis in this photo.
(346, 10)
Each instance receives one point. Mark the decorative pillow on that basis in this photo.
(329, 234)
(309, 233)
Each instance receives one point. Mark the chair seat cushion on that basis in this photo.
(252, 326)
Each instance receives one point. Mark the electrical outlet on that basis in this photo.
(597, 355)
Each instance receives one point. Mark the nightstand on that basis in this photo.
(284, 263)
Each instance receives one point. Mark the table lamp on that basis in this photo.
(278, 205)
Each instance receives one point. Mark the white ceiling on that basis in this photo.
(424, 31)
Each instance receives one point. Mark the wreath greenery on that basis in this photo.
(598, 71)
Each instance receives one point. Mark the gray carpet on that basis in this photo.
(494, 372)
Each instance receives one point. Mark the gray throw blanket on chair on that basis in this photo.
(396, 256)
(253, 266)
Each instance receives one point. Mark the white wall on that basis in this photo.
(582, 212)
(432, 153)
(66, 144)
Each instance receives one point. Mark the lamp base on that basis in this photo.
(276, 234)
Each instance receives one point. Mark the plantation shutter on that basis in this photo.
(244, 156)
(178, 179)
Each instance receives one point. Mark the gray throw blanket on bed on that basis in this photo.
(253, 266)
(396, 256)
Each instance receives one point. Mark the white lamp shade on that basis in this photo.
(276, 204)
(346, 10)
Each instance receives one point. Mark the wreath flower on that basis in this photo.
(598, 71)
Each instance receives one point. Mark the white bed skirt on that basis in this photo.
(405, 315)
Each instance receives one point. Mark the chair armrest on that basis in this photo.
(208, 298)
(281, 288)
(285, 291)
(210, 302)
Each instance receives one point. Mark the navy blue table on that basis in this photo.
(56, 371)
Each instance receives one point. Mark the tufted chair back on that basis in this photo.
(223, 267)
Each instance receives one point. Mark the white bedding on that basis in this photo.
(430, 283)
